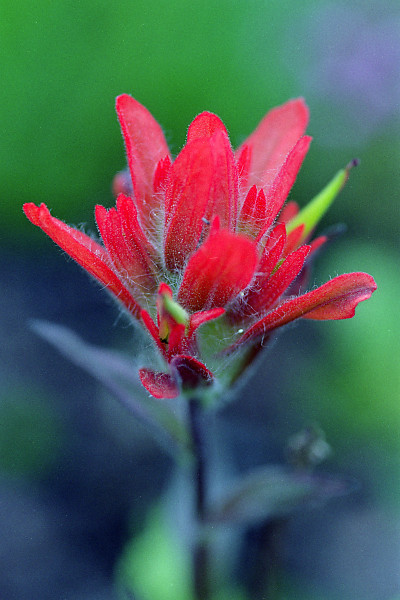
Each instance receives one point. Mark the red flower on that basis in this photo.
(211, 223)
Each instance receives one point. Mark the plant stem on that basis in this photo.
(200, 550)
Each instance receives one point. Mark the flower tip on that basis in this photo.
(353, 163)
(206, 124)
(122, 99)
(32, 212)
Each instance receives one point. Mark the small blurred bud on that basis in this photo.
(308, 448)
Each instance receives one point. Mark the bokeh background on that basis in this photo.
(82, 485)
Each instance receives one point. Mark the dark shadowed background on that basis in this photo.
(81, 484)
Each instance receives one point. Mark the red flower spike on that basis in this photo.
(85, 251)
(145, 147)
(273, 139)
(218, 240)
(336, 299)
(159, 385)
(284, 181)
(221, 268)
(205, 125)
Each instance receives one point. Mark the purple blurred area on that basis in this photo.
(350, 67)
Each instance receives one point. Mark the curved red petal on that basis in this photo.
(197, 319)
(336, 299)
(145, 147)
(205, 125)
(222, 267)
(159, 385)
(187, 197)
(85, 251)
(283, 181)
(273, 139)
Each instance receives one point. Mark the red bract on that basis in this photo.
(211, 224)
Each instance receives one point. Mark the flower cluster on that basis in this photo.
(207, 236)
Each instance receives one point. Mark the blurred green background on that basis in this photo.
(62, 66)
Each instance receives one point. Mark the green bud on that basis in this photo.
(175, 310)
(313, 212)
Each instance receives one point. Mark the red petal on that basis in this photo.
(222, 267)
(284, 180)
(225, 191)
(336, 299)
(187, 197)
(205, 125)
(132, 255)
(145, 147)
(159, 385)
(144, 253)
(85, 251)
(201, 317)
(191, 371)
(274, 137)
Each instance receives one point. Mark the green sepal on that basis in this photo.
(313, 212)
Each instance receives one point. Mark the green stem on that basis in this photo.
(201, 581)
